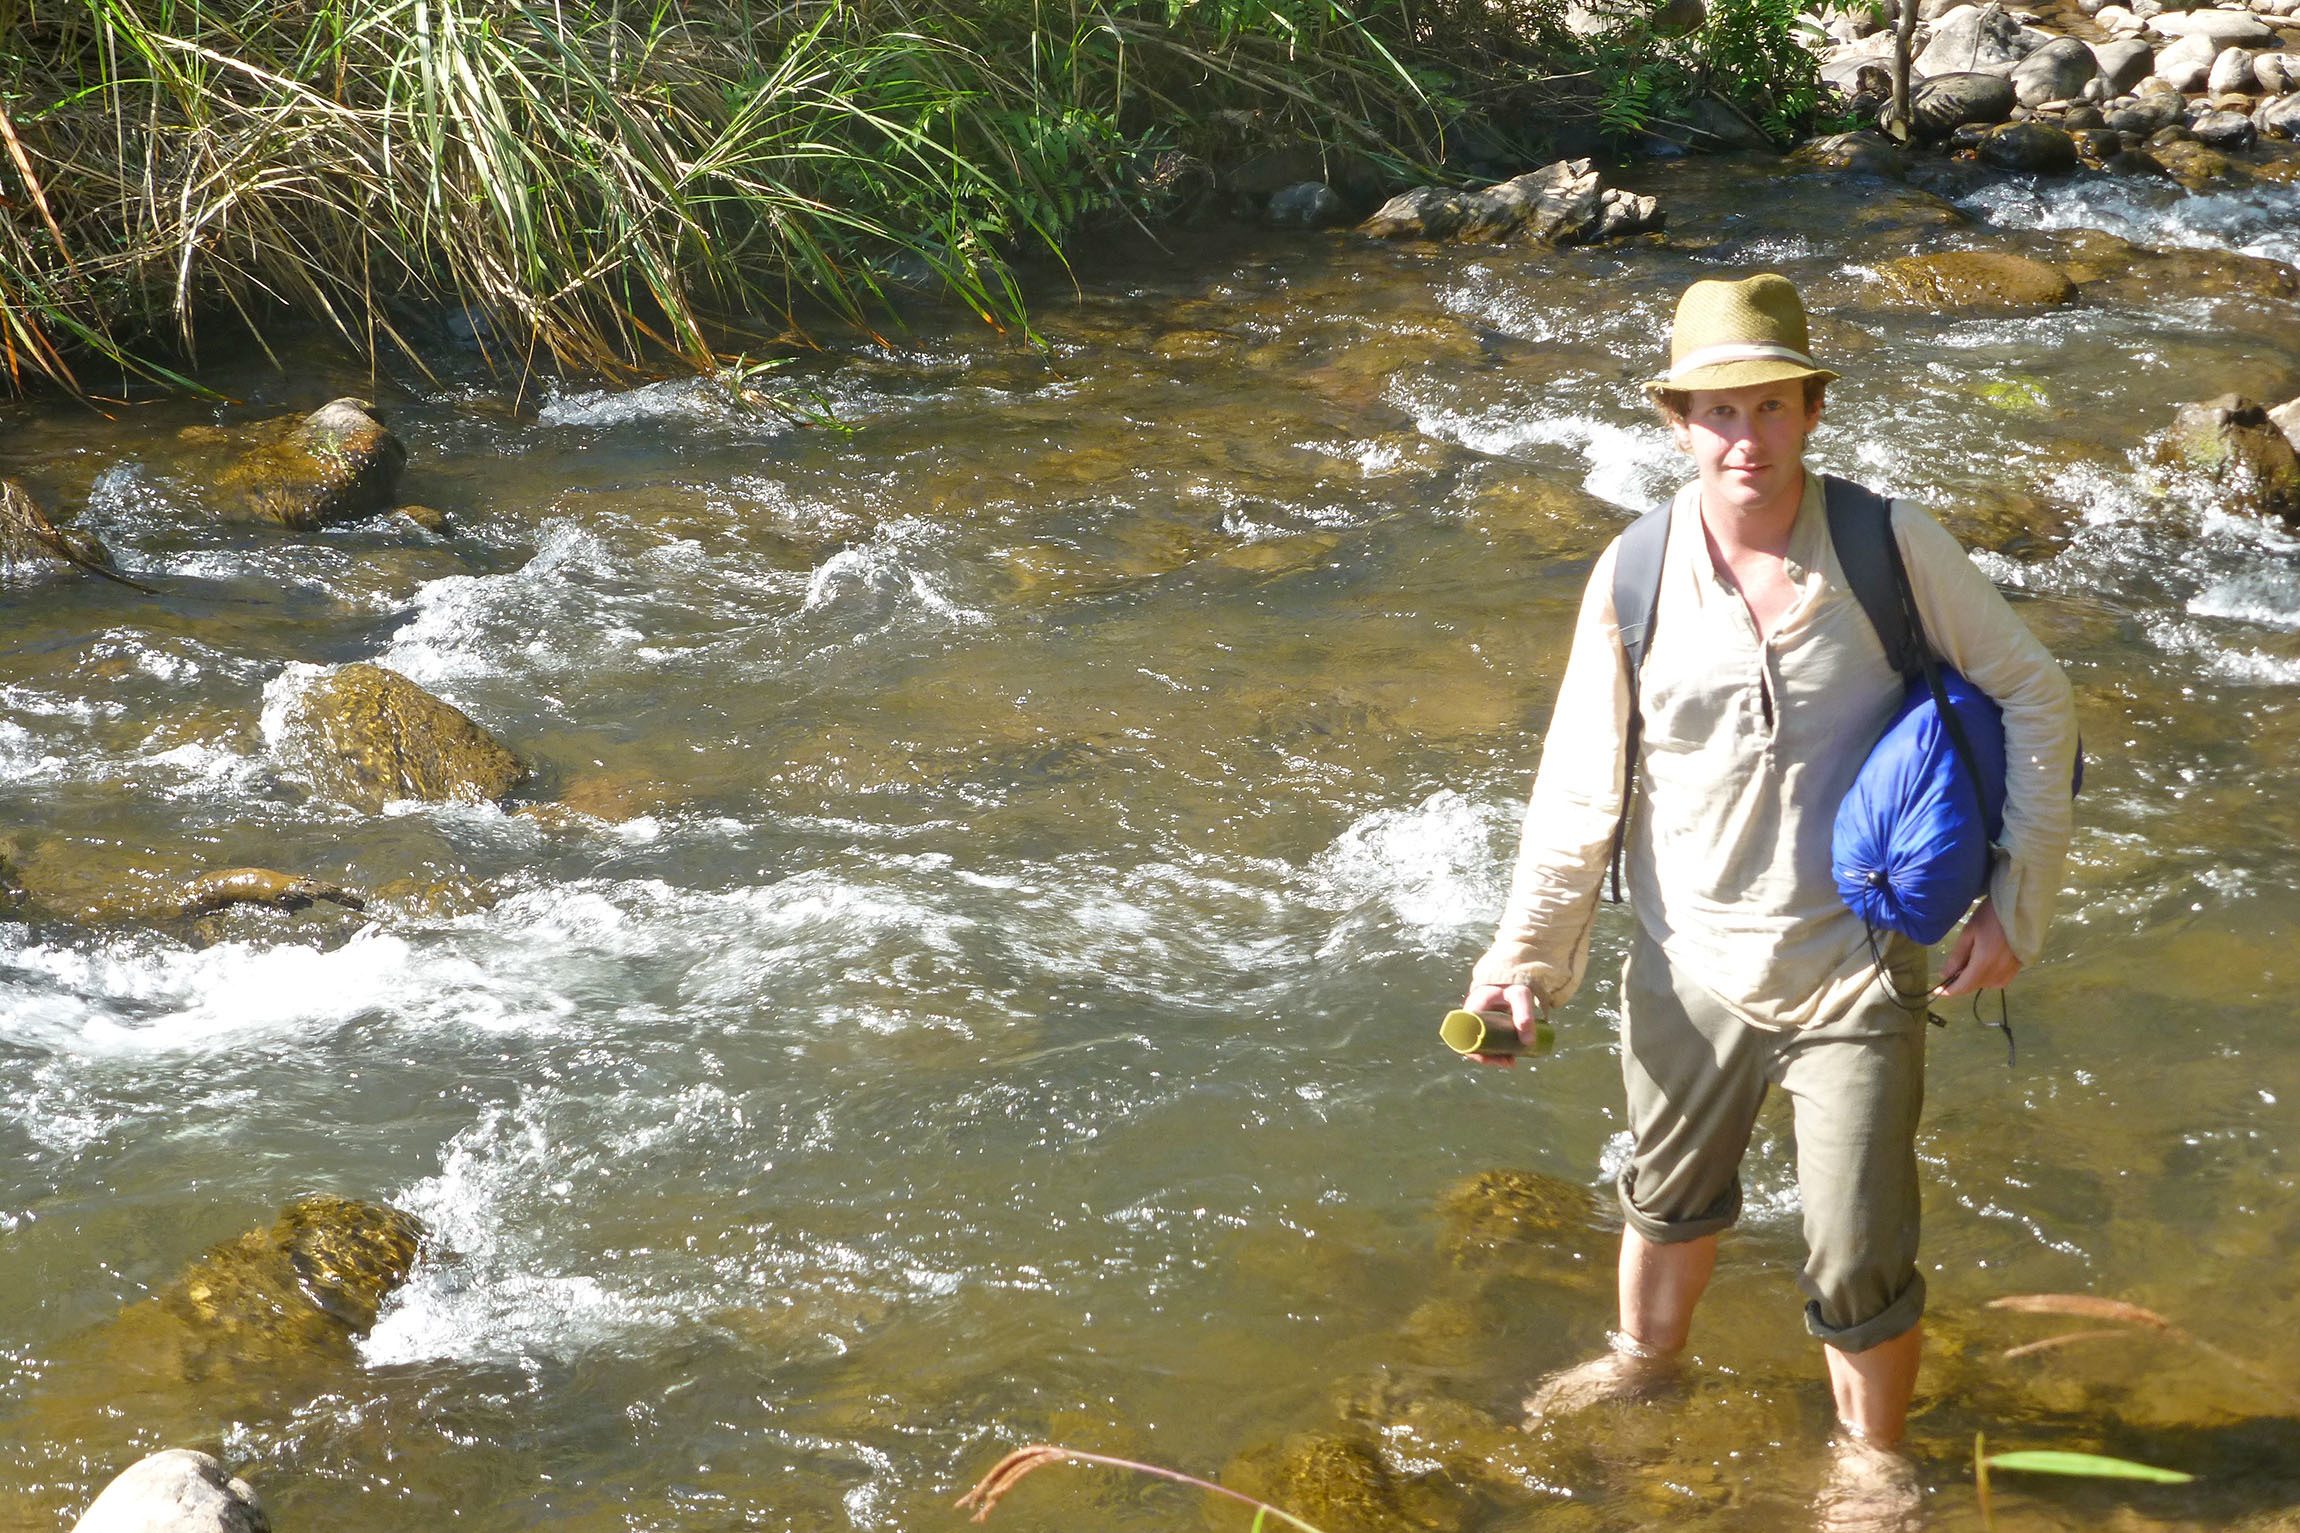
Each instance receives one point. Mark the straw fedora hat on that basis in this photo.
(1729, 335)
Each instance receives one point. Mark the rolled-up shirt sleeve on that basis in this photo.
(1543, 939)
(1972, 626)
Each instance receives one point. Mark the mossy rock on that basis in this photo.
(366, 736)
(2232, 442)
(337, 464)
(1339, 1483)
(1972, 282)
(300, 1291)
(1495, 1208)
(11, 890)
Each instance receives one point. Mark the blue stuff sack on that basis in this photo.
(1911, 848)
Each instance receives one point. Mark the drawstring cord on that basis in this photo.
(1922, 1001)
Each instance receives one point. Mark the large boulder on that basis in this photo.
(2231, 73)
(336, 464)
(366, 736)
(1562, 204)
(1981, 37)
(1945, 103)
(2185, 65)
(2030, 146)
(1972, 281)
(2055, 72)
(2232, 442)
(2224, 29)
(175, 1491)
(2123, 62)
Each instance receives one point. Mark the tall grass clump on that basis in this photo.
(604, 182)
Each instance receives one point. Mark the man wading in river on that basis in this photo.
(1763, 685)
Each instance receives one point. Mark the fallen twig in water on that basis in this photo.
(2093, 1307)
(1010, 1471)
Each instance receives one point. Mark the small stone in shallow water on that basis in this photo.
(175, 1491)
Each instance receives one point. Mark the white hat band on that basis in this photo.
(1738, 351)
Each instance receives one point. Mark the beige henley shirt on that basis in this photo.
(1749, 747)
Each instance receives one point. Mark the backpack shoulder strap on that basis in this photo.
(1636, 599)
(1637, 587)
(1861, 530)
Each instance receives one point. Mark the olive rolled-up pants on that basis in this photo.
(1697, 1074)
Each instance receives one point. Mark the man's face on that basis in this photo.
(1748, 443)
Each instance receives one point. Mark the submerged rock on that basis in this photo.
(2232, 442)
(367, 736)
(334, 465)
(175, 1491)
(1982, 281)
(1498, 1208)
(1561, 204)
(1340, 1483)
(291, 1297)
(11, 890)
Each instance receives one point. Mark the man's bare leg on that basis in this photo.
(1873, 1388)
(1659, 1287)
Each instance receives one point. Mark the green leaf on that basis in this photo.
(2090, 1465)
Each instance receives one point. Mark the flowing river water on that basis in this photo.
(1032, 837)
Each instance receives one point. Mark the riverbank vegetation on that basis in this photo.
(601, 186)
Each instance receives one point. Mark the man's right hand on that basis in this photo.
(1517, 1000)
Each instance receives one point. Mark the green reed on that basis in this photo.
(609, 182)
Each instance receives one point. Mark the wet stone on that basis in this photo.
(1973, 281)
(299, 1291)
(2225, 130)
(1497, 1208)
(1944, 103)
(2232, 442)
(2029, 146)
(337, 464)
(177, 1490)
(366, 736)
(1340, 1483)
(31, 540)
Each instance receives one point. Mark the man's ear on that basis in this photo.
(1681, 432)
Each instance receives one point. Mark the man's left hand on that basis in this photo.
(1981, 958)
